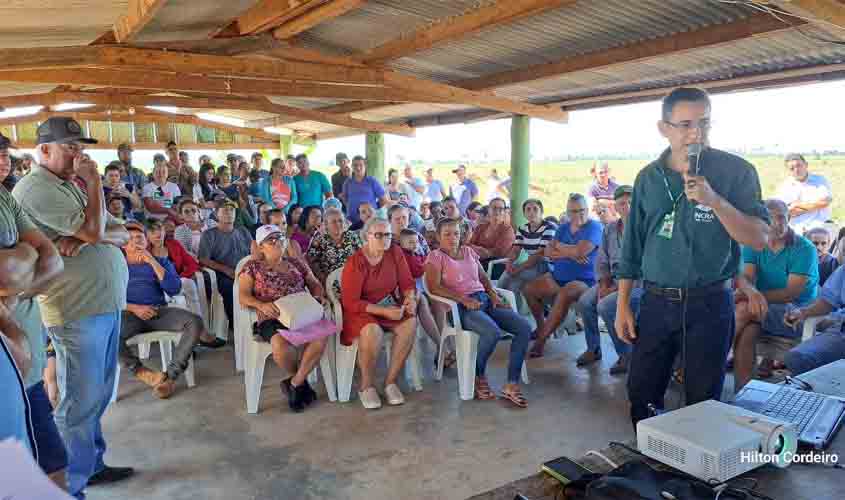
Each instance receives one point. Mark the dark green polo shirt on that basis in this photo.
(700, 251)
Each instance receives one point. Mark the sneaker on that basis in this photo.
(588, 358)
(165, 389)
(394, 395)
(294, 395)
(111, 475)
(369, 398)
(621, 365)
(214, 344)
(150, 377)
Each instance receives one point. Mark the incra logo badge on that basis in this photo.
(704, 214)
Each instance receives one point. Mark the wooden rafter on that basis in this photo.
(266, 14)
(827, 11)
(320, 14)
(140, 13)
(183, 62)
(755, 25)
(503, 11)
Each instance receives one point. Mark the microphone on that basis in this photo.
(694, 156)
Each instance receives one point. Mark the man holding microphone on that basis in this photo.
(691, 210)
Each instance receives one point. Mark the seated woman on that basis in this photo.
(309, 224)
(186, 267)
(365, 212)
(331, 249)
(276, 217)
(189, 233)
(531, 240)
(454, 272)
(494, 239)
(278, 190)
(293, 215)
(371, 304)
(263, 281)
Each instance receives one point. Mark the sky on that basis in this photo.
(802, 118)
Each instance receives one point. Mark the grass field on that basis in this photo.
(561, 178)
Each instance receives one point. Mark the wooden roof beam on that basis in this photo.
(503, 11)
(827, 11)
(320, 14)
(212, 103)
(184, 62)
(140, 13)
(264, 15)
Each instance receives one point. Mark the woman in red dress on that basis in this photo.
(378, 293)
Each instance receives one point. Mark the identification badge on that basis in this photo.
(668, 226)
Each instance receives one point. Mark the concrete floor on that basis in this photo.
(202, 444)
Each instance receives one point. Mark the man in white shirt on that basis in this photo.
(160, 195)
(808, 195)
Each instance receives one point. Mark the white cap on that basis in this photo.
(264, 231)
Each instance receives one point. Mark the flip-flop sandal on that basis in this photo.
(482, 390)
(450, 360)
(678, 376)
(515, 397)
(536, 353)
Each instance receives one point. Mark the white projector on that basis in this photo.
(715, 441)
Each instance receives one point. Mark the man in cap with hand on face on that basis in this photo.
(82, 307)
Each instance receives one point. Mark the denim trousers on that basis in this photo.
(86, 363)
(818, 351)
(492, 324)
(516, 283)
(709, 335)
(590, 309)
(169, 319)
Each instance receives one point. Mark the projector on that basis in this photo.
(715, 441)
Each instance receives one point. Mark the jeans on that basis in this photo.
(818, 351)
(169, 319)
(590, 309)
(225, 285)
(516, 283)
(491, 324)
(86, 362)
(710, 331)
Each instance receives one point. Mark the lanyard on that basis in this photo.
(674, 200)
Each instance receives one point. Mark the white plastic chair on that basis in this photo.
(347, 355)
(251, 355)
(492, 265)
(810, 327)
(466, 346)
(175, 301)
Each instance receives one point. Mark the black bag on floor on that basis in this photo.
(636, 480)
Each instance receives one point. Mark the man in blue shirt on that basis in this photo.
(775, 280)
(825, 347)
(361, 188)
(311, 186)
(147, 311)
(573, 253)
(465, 191)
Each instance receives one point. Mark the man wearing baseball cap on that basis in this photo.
(464, 191)
(82, 307)
(344, 170)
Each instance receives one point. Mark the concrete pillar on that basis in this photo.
(520, 166)
(375, 156)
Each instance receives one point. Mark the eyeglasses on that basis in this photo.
(274, 240)
(189, 210)
(73, 146)
(688, 125)
(382, 236)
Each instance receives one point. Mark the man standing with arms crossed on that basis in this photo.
(683, 239)
(82, 307)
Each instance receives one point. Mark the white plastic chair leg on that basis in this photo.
(413, 368)
(525, 379)
(441, 355)
(190, 376)
(166, 348)
(346, 356)
(329, 370)
(116, 384)
(466, 347)
(144, 350)
(254, 374)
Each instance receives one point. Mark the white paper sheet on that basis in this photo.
(21, 478)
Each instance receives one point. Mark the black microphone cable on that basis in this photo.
(685, 298)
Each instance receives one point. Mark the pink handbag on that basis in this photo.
(309, 333)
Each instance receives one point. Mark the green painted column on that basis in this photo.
(375, 156)
(285, 145)
(520, 166)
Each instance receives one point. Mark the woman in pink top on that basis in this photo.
(454, 271)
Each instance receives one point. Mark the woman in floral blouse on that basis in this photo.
(265, 279)
(330, 249)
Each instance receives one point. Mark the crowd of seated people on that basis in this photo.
(397, 241)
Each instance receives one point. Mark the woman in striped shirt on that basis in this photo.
(525, 259)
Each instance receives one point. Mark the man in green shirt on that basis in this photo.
(689, 216)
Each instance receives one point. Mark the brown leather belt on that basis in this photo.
(678, 294)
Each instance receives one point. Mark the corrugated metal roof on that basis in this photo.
(191, 19)
(51, 23)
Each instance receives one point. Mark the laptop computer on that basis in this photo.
(816, 416)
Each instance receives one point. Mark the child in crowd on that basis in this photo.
(408, 240)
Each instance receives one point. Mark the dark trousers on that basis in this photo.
(710, 331)
(225, 285)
